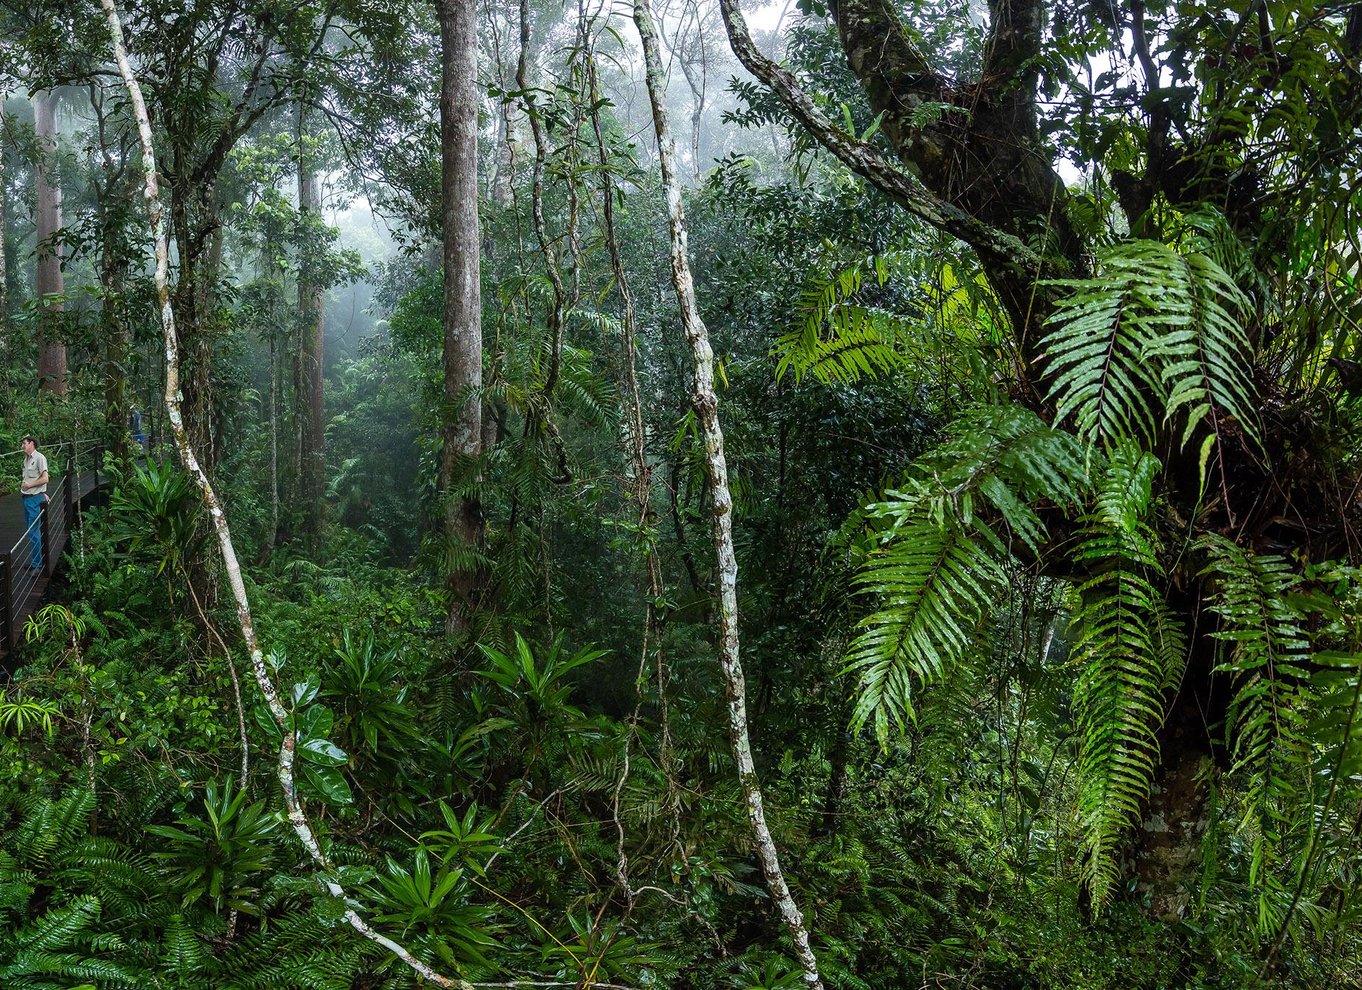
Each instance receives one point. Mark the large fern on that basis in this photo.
(944, 539)
(1155, 338)
(1127, 651)
(1267, 655)
(834, 337)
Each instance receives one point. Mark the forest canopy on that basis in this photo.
(856, 494)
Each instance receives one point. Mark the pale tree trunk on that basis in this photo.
(110, 196)
(270, 271)
(274, 444)
(539, 422)
(501, 192)
(51, 350)
(112, 269)
(297, 815)
(695, 78)
(311, 410)
(547, 250)
(459, 102)
(696, 71)
(707, 410)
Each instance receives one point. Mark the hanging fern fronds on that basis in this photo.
(1008, 460)
(1254, 595)
(1123, 654)
(1207, 364)
(1153, 339)
(932, 583)
(836, 339)
(946, 537)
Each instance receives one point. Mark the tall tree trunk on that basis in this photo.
(538, 423)
(462, 415)
(707, 410)
(501, 192)
(639, 469)
(312, 484)
(114, 329)
(274, 537)
(51, 348)
(189, 225)
(296, 813)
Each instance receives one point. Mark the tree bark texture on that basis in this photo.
(297, 815)
(311, 411)
(50, 284)
(706, 403)
(640, 470)
(459, 101)
(547, 248)
(112, 274)
(193, 215)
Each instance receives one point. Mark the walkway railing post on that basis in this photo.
(45, 533)
(9, 640)
(69, 483)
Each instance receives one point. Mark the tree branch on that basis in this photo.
(869, 164)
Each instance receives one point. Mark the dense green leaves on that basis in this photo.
(1125, 652)
(1155, 338)
(943, 546)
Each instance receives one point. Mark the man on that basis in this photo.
(34, 489)
(135, 426)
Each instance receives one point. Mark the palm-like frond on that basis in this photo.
(932, 582)
(836, 339)
(945, 540)
(1270, 713)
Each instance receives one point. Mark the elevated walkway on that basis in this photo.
(23, 589)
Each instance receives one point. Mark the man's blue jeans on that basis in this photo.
(33, 508)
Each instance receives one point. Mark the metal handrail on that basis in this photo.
(54, 520)
(59, 444)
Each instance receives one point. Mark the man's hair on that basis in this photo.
(30, 438)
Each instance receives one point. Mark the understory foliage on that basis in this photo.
(988, 574)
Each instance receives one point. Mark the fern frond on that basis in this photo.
(932, 582)
(1014, 461)
(941, 557)
(1206, 365)
(835, 339)
(1270, 713)
(1154, 338)
(859, 346)
(1122, 653)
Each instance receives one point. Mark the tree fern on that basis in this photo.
(1154, 338)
